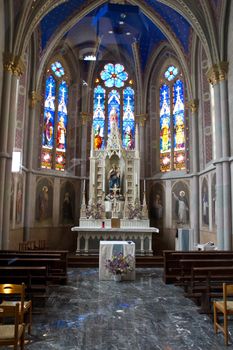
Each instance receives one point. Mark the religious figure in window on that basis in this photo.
(179, 135)
(113, 115)
(49, 102)
(48, 129)
(62, 105)
(114, 178)
(165, 136)
(98, 138)
(128, 138)
(61, 134)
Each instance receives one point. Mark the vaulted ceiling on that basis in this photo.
(117, 26)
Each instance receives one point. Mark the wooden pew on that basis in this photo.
(206, 283)
(172, 266)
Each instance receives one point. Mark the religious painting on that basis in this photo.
(44, 201)
(156, 205)
(67, 197)
(19, 199)
(205, 203)
(180, 204)
(213, 199)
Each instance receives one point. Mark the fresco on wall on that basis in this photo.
(156, 206)
(19, 200)
(205, 203)
(44, 201)
(67, 203)
(213, 199)
(180, 204)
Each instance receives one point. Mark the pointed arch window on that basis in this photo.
(172, 121)
(55, 118)
(114, 93)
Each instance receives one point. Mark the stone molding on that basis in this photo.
(35, 97)
(141, 119)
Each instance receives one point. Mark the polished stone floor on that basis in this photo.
(88, 314)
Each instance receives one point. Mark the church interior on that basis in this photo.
(116, 122)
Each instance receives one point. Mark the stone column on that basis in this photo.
(223, 69)
(35, 98)
(6, 94)
(141, 120)
(213, 78)
(85, 119)
(17, 71)
(194, 205)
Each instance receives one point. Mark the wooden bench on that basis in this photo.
(172, 266)
(206, 283)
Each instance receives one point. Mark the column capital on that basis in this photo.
(86, 117)
(35, 97)
(13, 64)
(193, 105)
(217, 72)
(141, 119)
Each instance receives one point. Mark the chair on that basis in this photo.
(11, 333)
(224, 306)
(25, 307)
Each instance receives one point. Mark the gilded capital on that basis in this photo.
(223, 70)
(141, 119)
(35, 97)
(193, 105)
(213, 75)
(85, 118)
(13, 64)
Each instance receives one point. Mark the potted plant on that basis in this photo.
(119, 265)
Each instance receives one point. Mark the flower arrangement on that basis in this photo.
(120, 264)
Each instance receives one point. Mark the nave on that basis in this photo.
(146, 314)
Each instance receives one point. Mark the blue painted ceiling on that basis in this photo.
(108, 17)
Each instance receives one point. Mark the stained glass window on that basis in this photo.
(99, 116)
(113, 100)
(172, 121)
(114, 75)
(54, 133)
(128, 118)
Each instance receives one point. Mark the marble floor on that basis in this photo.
(88, 314)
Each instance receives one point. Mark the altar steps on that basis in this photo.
(93, 261)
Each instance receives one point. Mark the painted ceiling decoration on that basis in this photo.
(118, 25)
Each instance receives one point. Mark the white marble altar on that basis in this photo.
(106, 252)
(141, 236)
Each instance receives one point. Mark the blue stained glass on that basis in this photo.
(123, 76)
(171, 73)
(128, 118)
(178, 115)
(165, 132)
(113, 107)
(114, 75)
(99, 117)
(57, 69)
(49, 113)
(119, 68)
(119, 83)
(110, 82)
(62, 116)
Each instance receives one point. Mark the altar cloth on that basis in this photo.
(107, 250)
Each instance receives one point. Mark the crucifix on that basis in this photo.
(115, 189)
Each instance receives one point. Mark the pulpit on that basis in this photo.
(110, 248)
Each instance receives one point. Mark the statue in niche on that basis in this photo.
(205, 206)
(158, 207)
(182, 209)
(67, 209)
(43, 203)
(114, 179)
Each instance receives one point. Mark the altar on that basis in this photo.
(116, 208)
(107, 250)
